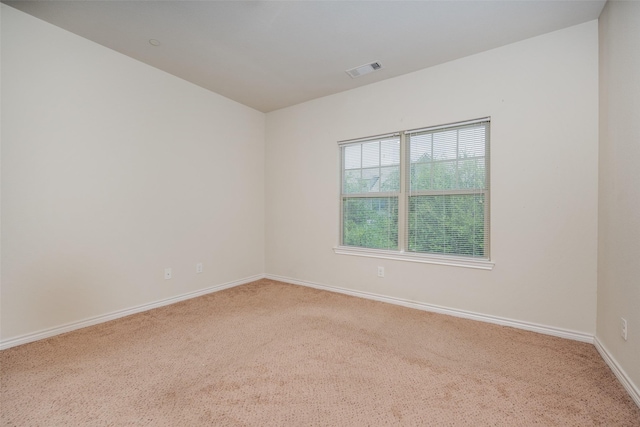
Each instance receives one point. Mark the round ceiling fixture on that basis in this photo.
(154, 42)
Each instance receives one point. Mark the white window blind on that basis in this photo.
(424, 191)
(370, 193)
(448, 190)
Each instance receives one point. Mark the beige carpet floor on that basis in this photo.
(269, 353)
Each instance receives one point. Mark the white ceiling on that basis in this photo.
(273, 54)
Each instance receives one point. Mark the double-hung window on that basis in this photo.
(421, 195)
(371, 192)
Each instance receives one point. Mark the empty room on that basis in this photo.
(325, 213)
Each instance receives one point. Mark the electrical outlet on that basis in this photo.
(199, 267)
(380, 271)
(623, 328)
(167, 273)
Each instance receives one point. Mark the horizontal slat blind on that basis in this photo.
(370, 222)
(448, 190)
(370, 189)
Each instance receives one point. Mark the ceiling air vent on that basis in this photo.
(364, 69)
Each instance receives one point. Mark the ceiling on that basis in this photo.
(273, 54)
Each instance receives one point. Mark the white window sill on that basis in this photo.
(482, 264)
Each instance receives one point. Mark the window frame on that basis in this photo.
(372, 195)
(403, 253)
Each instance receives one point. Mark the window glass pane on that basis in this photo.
(444, 175)
(444, 145)
(370, 180)
(421, 176)
(370, 154)
(458, 161)
(371, 166)
(352, 182)
(351, 155)
(390, 152)
(420, 148)
(447, 224)
(471, 142)
(390, 178)
(370, 222)
(471, 174)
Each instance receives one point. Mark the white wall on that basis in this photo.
(619, 185)
(111, 171)
(542, 95)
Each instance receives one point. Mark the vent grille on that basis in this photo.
(364, 69)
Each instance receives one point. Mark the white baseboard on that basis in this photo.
(622, 376)
(528, 326)
(47, 333)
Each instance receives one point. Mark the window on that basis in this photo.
(420, 193)
(371, 191)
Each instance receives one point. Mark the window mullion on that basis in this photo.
(402, 198)
(457, 158)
